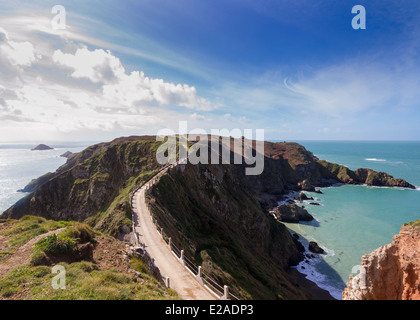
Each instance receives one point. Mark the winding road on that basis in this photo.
(181, 280)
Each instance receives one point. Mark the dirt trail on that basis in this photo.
(22, 256)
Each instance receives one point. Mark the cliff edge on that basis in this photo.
(392, 272)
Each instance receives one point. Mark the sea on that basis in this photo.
(19, 166)
(349, 222)
(355, 220)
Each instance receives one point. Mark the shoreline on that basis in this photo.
(308, 285)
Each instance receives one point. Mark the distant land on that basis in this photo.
(42, 147)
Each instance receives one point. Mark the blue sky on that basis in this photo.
(296, 69)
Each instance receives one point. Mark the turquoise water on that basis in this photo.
(355, 220)
(19, 165)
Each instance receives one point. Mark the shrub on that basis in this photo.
(80, 232)
(54, 243)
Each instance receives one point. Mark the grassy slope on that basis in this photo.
(95, 279)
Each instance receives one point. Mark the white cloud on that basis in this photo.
(71, 89)
(16, 53)
(97, 65)
(124, 89)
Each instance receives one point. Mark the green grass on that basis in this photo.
(64, 242)
(414, 224)
(84, 279)
(56, 243)
(139, 265)
(111, 218)
(339, 172)
(83, 282)
(29, 227)
(80, 232)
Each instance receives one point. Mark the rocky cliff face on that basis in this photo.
(212, 214)
(392, 272)
(93, 185)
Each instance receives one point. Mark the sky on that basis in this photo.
(296, 69)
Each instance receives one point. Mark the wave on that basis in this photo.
(308, 268)
(375, 159)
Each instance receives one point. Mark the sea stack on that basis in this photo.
(42, 147)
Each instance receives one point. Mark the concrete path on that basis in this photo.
(181, 280)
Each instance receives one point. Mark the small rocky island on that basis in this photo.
(66, 154)
(42, 147)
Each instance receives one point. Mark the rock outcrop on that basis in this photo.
(66, 154)
(302, 196)
(373, 178)
(391, 272)
(291, 213)
(306, 185)
(313, 247)
(335, 172)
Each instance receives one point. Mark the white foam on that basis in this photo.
(320, 279)
(375, 159)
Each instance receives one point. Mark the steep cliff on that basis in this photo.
(93, 185)
(211, 213)
(391, 272)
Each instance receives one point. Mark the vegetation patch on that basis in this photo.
(28, 227)
(83, 282)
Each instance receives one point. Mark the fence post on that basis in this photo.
(226, 293)
(167, 282)
(200, 275)
(182, 257)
